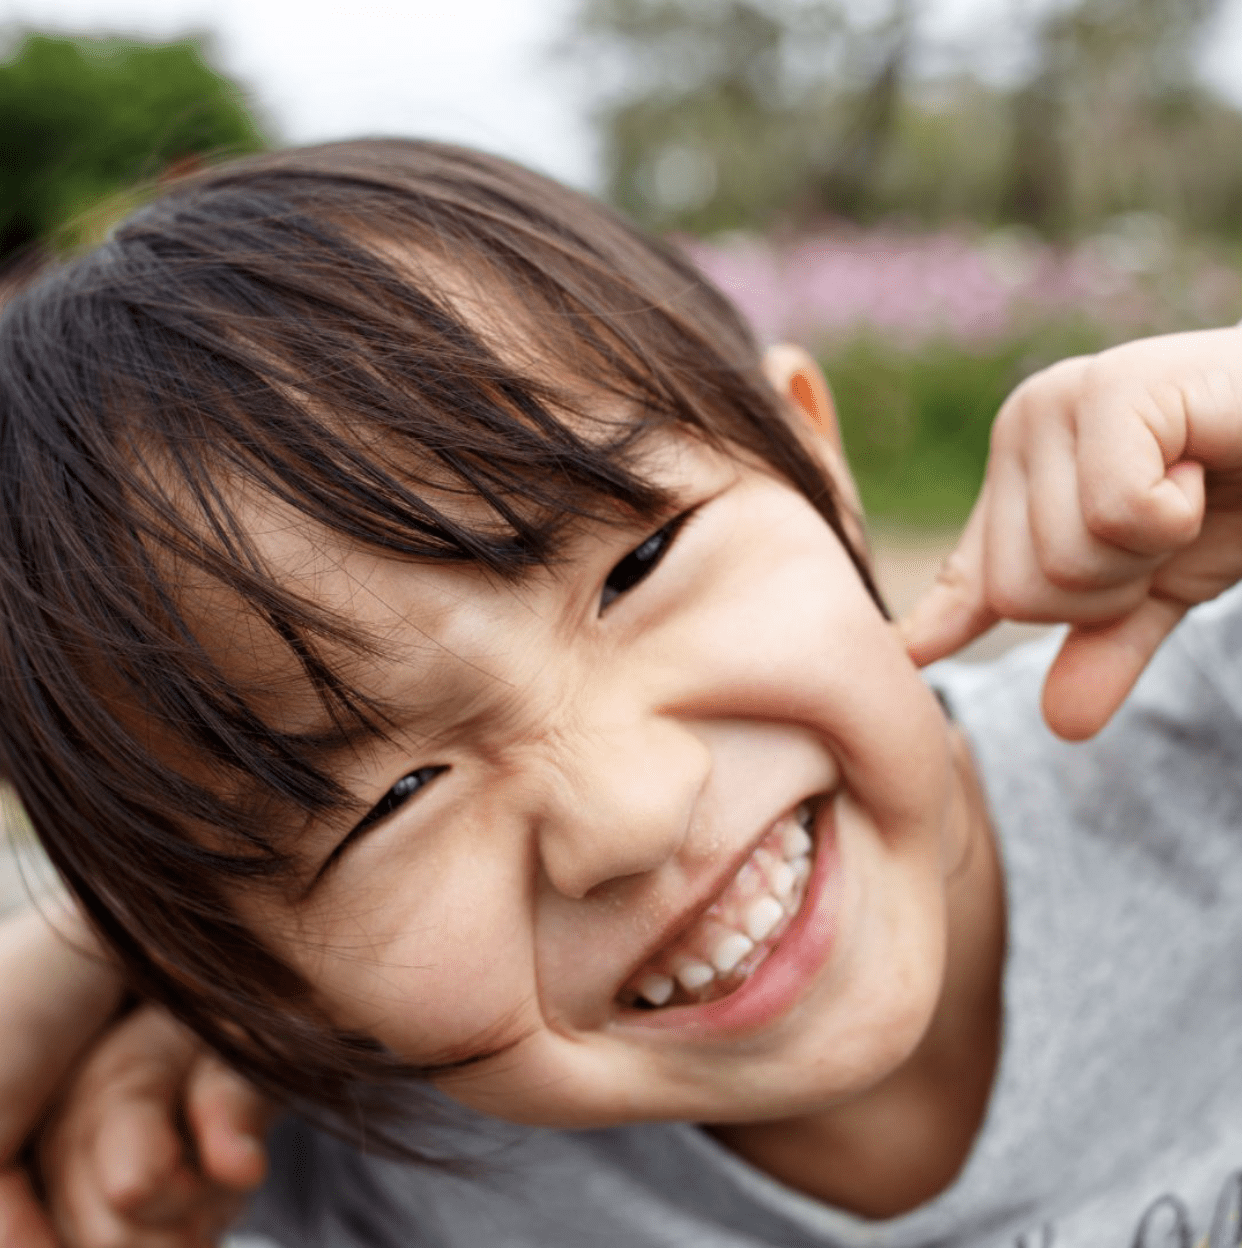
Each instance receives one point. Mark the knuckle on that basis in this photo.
(1009, 603)
(1114, 515)
(130, 1189)
(1038, 400)
(110, 1236)
(1069, 568)
(1110, 376)
(1059, 558)
(1011, 429)
(1003, 436)
(1010, 596)
(125, 1193)
(1231, 391)
(1098, 374)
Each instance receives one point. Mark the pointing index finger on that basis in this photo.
(954, 611)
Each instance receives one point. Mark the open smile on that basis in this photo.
(735, 935)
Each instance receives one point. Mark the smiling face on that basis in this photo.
(657, 813)
(588, 856)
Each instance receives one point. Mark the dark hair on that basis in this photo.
(300, 322)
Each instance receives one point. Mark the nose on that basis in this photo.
(620, 799)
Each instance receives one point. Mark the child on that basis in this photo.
(431, 647)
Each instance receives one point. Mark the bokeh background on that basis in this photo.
(937, 197)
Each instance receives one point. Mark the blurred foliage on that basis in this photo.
(725, 114)
(773, 116)
(916, 423)
(83, 119)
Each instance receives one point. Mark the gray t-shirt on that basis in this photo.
(1116, 1116)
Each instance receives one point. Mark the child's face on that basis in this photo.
(608, 776)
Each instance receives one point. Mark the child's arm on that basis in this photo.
(115, 1165)
(155, 1143)
(1112, 502)
(57, 990)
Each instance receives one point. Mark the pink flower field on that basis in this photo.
(968, 286)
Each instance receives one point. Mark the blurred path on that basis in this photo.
(905, 563)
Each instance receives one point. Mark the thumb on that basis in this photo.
(1097, 666)
(954, 610)
(228, 1119)
(22, 1223)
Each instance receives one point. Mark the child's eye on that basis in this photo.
(640, 561)
(397, 796)
(394, 799)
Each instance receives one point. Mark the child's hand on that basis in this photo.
(1112, 502)
(155, 1144)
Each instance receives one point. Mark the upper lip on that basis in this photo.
(694, 912)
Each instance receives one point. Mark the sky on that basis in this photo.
(474, 71)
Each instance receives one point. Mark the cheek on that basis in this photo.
(791, 631)
(429, 953)
(894, 928)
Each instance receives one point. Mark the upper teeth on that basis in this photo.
(730, 950)
(763, 916)
(655, 988)
(795, 841)
(764, 894)
(782, 879)
(691, 973)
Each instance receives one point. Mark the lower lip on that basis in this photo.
(786, 973)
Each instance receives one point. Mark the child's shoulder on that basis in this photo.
(1123, 872)
(1154, 800)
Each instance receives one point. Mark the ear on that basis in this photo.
(799, 380)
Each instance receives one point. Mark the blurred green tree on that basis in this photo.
(718, 114)
(1113, 118)
(82, 119)
(727, 112)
